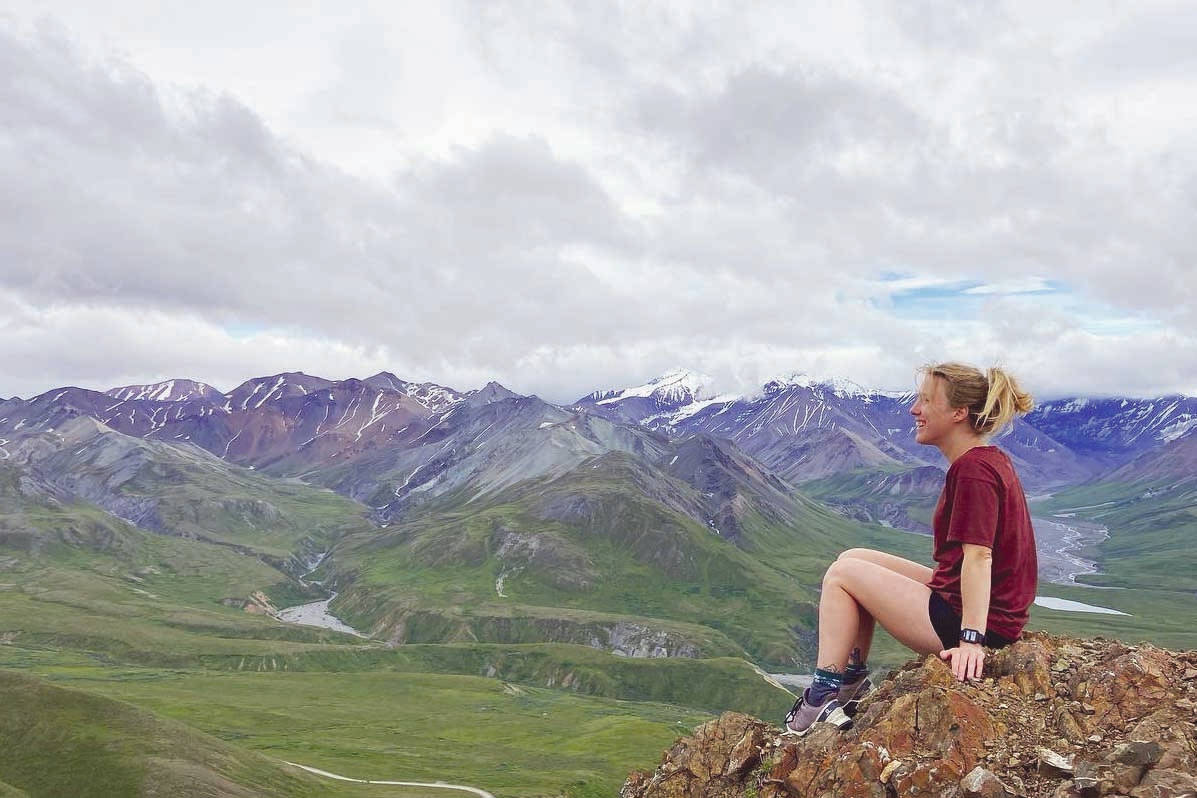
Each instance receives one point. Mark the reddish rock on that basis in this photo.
(1125, 689)
(1179, 740)
(1026, 664)
(925, 734)
(937, 779)
(1071, 726)
(1164, 783)
(711, 763)
(982, 783)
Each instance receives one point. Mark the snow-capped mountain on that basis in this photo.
(167, 391)
(796, 425)
(806, 427)
(1116, 430)
(840, 386)
(434, 397)
(800, 427)
(674, 389)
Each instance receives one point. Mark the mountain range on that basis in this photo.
(799, 427)
(656, 519)
(805, 428)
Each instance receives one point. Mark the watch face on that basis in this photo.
(970, 635)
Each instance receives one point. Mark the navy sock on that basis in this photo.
(825, 685)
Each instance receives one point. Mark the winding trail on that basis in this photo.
(2, 450)
(440, 784)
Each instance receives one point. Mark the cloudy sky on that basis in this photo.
(567, 196)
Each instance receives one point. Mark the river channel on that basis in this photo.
(315, 613)
(1059, 541)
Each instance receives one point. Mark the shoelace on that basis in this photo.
(793, 713)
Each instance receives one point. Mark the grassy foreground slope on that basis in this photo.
(59, 741)
(9, 791)
(507, 738)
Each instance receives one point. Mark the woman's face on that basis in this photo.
(933, 419)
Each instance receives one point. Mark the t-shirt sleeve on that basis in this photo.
(974, 512)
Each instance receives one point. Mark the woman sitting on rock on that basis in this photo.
(986, 570)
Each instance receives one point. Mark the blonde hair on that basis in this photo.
(993, 398)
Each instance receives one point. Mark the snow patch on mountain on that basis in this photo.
(1178, 428)
(675, 385)
(165, 391)
(840, 386)
(430, 395)
(685, 411)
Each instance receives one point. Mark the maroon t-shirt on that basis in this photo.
(983, 503)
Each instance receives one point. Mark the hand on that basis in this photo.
(966, 660)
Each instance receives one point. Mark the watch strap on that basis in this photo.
(972, 636)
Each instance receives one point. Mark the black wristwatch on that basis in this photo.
(972, 636)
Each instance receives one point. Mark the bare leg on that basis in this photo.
(852, 587)
(864, 637)
(908, 568)
(912, 570)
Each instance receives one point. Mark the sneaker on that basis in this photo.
(851, 694)
(802, 716)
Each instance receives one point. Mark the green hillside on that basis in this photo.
(60, 741)
(181, 491)
(591, 549)
(157, 621)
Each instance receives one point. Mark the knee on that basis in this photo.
(839, 572)
(854, 554)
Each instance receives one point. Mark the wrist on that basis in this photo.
(972, 636)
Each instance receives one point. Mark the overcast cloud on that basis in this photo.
(570, 196)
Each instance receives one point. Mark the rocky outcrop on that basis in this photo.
(258, 603)
(1054, 717)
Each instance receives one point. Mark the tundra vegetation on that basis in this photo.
(549, 598)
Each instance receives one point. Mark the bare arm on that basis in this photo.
(968, 659)
(975, 583)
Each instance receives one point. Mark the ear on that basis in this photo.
(959, 414)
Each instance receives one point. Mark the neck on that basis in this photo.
(959, 444)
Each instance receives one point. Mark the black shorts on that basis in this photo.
(947, 624)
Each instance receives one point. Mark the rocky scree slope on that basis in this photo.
(1058, 717)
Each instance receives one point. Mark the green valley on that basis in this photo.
(540, 637)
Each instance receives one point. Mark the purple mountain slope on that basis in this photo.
(1113, 431)
(803, 430)
(302, 419)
